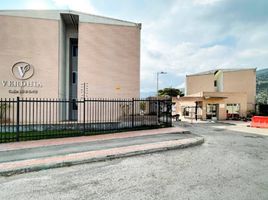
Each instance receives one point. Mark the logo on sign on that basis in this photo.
(22, 70)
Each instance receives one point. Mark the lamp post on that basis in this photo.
(157, 88)
(157, 80)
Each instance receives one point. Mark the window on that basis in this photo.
(212, 111)
(215, 83)
(75, 51)
(233, 110)
(74, 77)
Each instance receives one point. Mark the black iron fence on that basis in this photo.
(29, 119)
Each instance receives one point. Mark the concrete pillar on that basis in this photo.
(204, 111)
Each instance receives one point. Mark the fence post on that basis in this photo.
(132, 123)
(170, 113)
(84, 116)
(18, 120)
(158, 112)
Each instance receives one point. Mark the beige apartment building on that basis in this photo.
(68, 55)
(218, 94)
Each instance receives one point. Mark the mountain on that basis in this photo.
(262, 73)
(262, 79)
(262, 86)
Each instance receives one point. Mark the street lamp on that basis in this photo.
(157, 79)
(157, 87)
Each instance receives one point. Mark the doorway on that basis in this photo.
(212, 111)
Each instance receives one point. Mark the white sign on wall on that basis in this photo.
(22, 71)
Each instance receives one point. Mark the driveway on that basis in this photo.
(229, 165)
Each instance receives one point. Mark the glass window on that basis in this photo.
(211, 111)
(74, 77)
(75, 51)
(232, 110)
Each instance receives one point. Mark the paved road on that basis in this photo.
(229, 165)
(65, 149)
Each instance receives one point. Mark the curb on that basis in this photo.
(82, 139)
(194, 142)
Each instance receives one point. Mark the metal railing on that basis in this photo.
(30, 119)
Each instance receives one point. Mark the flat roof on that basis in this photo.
(55, 15)
(223, 70)
(200, 96)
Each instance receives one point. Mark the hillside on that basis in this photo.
(262, 74)
(262, 86)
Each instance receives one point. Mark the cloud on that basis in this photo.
(37, 4)
(78, 5)
(193, 36)
(239, 11)
(205, 2)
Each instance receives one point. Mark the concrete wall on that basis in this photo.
(34, 41)
(109, 60)
(63, 78)
(199, 83)
(242, 81)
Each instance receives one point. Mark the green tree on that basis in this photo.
(143, 106)
(172, 92)
(262, 97)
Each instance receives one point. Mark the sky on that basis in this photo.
(182, 36)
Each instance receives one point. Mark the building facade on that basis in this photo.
(68, 55)
(219, 94)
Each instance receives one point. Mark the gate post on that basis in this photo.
(84, 116)
(170, 112)
(132, 123)
(18, 120)
(158, 111)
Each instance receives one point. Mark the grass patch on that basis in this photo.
(39, 135)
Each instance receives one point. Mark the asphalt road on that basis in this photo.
(64, 149)
(229, 165)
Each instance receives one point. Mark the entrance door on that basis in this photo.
(212, 111)
(73, 114)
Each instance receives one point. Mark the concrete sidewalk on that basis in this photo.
(29, 156)
(242, 126)
(20, 157)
